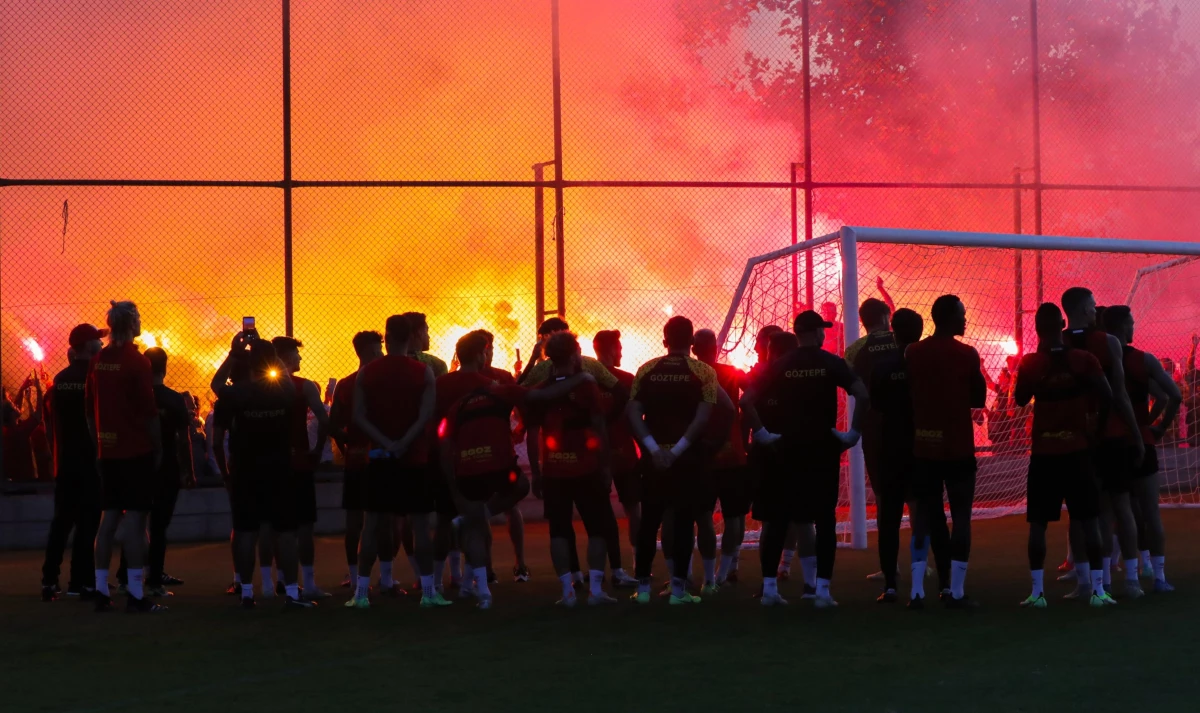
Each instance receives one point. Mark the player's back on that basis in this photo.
(74, 452)
(805, 384)
(1058, 380)
(943, 375)
(670, 389)
(571, 443)
(392, 387)
(891, 398)
(864, 354)
(121, 394)
(725, 429)
(620, 436)
(260, 417)
(477, 420)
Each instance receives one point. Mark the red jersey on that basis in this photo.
(670, 388)
(727, 430)
(120, 395)
(357, 445)
(946, 381)
(392, 388)
(500, 376)
(570, 445)
(620, 434)
(1095, 341)
(1137, 383)
(1058, 380)
(475, 414)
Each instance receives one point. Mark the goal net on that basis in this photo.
(1001, 280)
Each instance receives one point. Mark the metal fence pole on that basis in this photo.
(558, 167)
(288, 306)
(1037, 137)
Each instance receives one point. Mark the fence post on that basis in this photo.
(558, 167)
(288, 307)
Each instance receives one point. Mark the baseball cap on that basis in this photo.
(808, 321)
(85, 333)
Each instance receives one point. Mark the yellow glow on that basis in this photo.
(148, 340)
(273, 373)
(35, 350)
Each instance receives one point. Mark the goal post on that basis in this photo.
(1158, 279)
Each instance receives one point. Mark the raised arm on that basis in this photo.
(887, 299)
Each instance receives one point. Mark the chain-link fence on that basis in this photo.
(321, 164)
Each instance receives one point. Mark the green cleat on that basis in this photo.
(687, 598)
(640, 598)
(1102, 600)
(1032, 602)
(358, 603)
(437, 600)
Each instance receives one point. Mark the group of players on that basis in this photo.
(429, 453)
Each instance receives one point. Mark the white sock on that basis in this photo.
(710, 571)
(1036, 576)
(1107, 566)
(135, 583)
(958, 578)
(808, 568)
(310, 578)
(823, 588)
(770, 586)
(102, 581)
(267, 580)
(455, 566)
(439, 571)
(481, 584)
(918, 579)
(786, 566)
(293, 590)
(385, 575)
(1097, 583)
(427, 589)
(568, 585)
(595, 581)
(1131, 570)
(1160, 566)
(1145, 555)
(363, 590)
(247, 591)
(726, 567)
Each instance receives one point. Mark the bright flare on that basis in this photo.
(148, 340)
(34, 349)
(669, 311)
(272, 373)
(1010, 346)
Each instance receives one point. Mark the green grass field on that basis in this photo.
(207, 654)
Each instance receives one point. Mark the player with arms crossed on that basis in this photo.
(672, 398)
(801, 483)
(1145, 376)
(1063, 383)
(947, 382)
(1120, 454)
(394, 398)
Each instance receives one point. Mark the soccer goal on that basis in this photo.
(1001, 279)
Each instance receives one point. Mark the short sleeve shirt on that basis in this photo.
(892, 400)
(804, 385)
(392, 387)
(475, 415)
(542, 371)
(259, 414)
(732, 437)
(670, 389)
(438, 366)
(1058, 379)
(570, 445)
(357, 445)
(942, 372)
(74, 451)
(120, 392)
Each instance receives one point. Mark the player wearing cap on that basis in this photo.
(609, 350)
(394, 399)
(305, 457)
(1121, 450)
(575, 467)
(354, 445)
(1144, 377)
(725, 441)
(259, 410)
(1063, 383)
(800, 391)
(891, 401)
(76, 482)
(124, 419)
(671, 401)
(947, 382)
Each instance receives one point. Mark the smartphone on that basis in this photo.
(248, 328)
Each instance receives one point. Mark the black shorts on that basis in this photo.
(443, 498)
(1061, 477)
(393, 487)
(264, 498)
(797, 487)
(1113, 461)
(128, 483)
(931, 477)
(734, 490)
(629, 486)
(354, 489)
(688, 483)
(562, 495)
(482, 488)
(306, 497)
